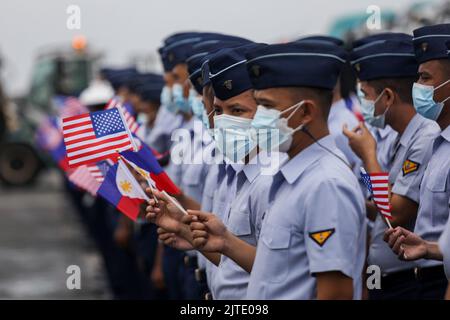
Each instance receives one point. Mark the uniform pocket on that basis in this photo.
(277, 241)
(239, 223)
(437, 185)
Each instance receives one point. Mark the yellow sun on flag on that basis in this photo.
(126, 186)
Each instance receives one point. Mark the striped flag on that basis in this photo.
(131, 121)
(68, 106)
(96, 173)
(378, 186)
(84, 179)
(96, 136)
(89, 177)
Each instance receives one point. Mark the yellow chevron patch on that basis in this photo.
(320, 237)
(409, 166)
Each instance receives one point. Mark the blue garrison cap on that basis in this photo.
(179, 36)
(141, 79)
(385, 59)
(151, 91)
(322, 39)
(296, 64)
(120, 77)
(228, 72)
(377, 38)
(200, 53)
(181, 48)
(429, 42)
(178, 51)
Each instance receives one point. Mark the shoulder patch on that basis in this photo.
(409, 166)
(320, 237)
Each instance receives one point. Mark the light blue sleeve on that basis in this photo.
(332, 227)
(408, 184)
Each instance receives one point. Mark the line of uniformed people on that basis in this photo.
(268, 159)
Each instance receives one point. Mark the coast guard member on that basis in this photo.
(312, 241)
(431, 96)
(387, 70)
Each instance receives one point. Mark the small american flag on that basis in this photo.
(378, 186)
(131, 121)
(96, 136)
(83, 178)
(69, 106)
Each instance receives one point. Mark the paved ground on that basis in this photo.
(40, 236)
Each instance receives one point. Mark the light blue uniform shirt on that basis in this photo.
(386, 139)
(444, 245)
(195, 170)
(415, 145)
(223, 196)
(435, 193)
(244, 221)
(340, 115)
(315, 223)
(165, 123)
(181, 150)
(211, 183)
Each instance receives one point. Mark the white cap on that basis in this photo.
(98, 92)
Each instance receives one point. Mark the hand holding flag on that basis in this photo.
(378, 186)
(122, 190)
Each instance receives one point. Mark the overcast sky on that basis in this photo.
(121, 28)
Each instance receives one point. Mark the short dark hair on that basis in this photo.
(446, 65)
(347, 81)
(323, 97)
(401, 86)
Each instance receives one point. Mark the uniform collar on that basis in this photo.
(411, 129)
(251, 171)
(335, 109)
(385, 131)
(295, 167)
(446, 134)
(237, 167)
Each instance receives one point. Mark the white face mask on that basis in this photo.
(272, 129)
(232, 136)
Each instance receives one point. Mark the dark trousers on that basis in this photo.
(414, 284)
(192, 288)
(173, 268)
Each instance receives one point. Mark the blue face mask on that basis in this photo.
(423, 98)
(368, 112)
(272, 130)
(166, 99)
(198, 109)
(232, 136)
(180, 102)
(197, 106)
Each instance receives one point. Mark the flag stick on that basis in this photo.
(174, 202)
(130, 136)
(388, 223)
(132, 178)
(153, 194)
(129, 163)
